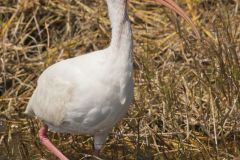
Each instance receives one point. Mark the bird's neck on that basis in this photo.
(121, 42)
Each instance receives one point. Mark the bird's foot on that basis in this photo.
(96, 152)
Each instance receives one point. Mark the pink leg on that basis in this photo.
(46, 142)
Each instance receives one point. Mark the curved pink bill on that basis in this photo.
(173, 6)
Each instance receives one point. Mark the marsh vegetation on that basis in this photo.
(186, 91)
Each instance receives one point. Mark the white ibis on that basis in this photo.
(88, 94)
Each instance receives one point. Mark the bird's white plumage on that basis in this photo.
(88, 94)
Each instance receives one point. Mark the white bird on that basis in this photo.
(88, 94)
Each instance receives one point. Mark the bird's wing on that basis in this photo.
(65, 83)
(51, 98)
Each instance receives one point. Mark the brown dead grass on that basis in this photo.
(186, 91)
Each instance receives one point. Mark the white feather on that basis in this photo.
(90, 93)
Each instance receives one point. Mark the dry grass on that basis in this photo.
(186, 91)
